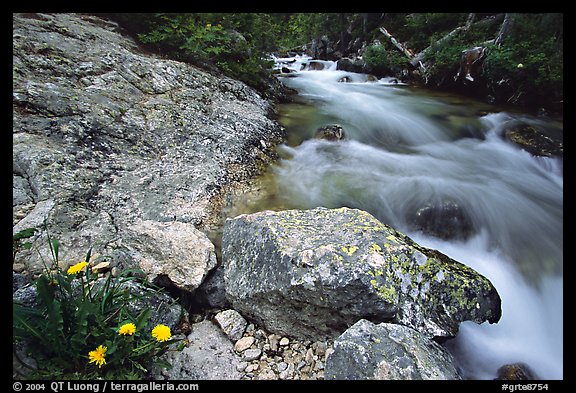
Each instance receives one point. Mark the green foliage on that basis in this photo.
(236, 44)
(422, 29)
(18, 242)
(383, 61)
(528, 68)
(444, 59)
(76, 312)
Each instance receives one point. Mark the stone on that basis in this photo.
(538, 142)
(284, 341)
(445, 220)
(331, 132)
(516, 372)
(175, 251)
(251, 354)
(244, 343)
(209, 356)
(328, 268)
(115, 146)
(388, 351)
(101, 267)
(232, 323)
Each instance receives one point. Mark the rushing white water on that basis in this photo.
(402, 154)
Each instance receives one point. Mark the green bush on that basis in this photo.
(384, 61)
(84, 327)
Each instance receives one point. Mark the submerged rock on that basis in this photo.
(330, 132)
(515, 372)
(313, 273)
(534, 141)
(390, 352)
(445, 220)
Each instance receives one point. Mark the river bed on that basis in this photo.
(408, 149)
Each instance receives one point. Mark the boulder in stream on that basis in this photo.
(445, 220)
(313, 273)
(330, 132)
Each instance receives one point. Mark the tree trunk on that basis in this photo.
(397, 44)
(504, 30)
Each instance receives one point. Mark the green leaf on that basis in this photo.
(142, 319)
(55, 246)
(23, 325)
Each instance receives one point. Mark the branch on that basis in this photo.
(398, 45)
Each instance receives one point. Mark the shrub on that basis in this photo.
(82, 326)
(384, 61)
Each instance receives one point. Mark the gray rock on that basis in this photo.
(251, 354)
(330, 132)
(171, 250)
(313, 273)
(211, 293)
(209, 355)
(232, 323)
(388, 351)
(445, 219)
(110, 144)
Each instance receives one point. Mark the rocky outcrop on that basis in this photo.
(314, 273)
(112, 146)
(388, 351)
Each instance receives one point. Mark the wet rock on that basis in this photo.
(445, 220)
(314, 66)
(331, 132)
(388, 351)
(328, 268)
(515, 372)
(352, 65)
(534, 141)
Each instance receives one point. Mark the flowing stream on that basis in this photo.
(408, 149)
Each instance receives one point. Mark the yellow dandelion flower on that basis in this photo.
(77, 268)
(97, 356)
(161, 333)
(127, 329)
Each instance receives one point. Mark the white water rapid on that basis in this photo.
(405, 149)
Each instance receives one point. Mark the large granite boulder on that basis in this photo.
(125, 152)
(388, 351)
(314, 273)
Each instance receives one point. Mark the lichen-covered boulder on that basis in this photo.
(314, 273)
(388, 351)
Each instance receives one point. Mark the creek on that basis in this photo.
(407, 149)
